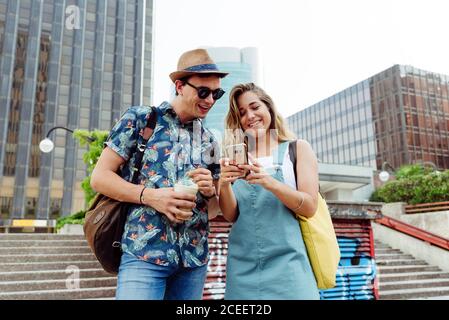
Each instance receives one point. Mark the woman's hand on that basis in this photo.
(229, 172)
(258, 175)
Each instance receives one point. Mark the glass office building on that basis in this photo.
(400, 115)
(70, 63)
(243, 66)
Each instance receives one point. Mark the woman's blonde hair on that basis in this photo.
(233, 130)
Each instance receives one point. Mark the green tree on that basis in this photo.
(90, 157)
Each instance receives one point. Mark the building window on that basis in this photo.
(5, 207)
(2, 36)
(55, 207)
(30, 208)
(16, 104)
(39, 106)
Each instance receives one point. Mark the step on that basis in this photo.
(386, 251)
(40, 266)
(44, 250)
(402, 262)
(25, 258)
(36, 285)
(413, 293)
(65, 294)
(410, 284)
(394, 256)
(381, 246)
(39, 236)
(42, 243)
(403, 269)
(433, 298)
(386, 278)
(51, 274)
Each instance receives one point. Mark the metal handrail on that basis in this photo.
(415, 232)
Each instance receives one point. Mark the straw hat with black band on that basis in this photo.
(195, 62)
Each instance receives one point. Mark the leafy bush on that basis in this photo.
(397, 191)
(433, 187)
(375, 197)
(410, 171)
(416, 184)
(90, 158)
(76, 218)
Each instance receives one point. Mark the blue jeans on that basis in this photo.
(141, 280)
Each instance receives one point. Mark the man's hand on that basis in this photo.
(168, 202)
(203, 178)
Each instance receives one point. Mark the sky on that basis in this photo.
(309, 50)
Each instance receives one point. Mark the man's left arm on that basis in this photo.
(213, 207)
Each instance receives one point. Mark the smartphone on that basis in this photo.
(237, 152)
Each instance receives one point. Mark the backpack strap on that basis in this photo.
(142, 142)
(292, 151)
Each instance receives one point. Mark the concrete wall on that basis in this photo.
(434, 222)
(394, 210)
(343, 194)
(339, 194)
(363, 193)
(419, 249)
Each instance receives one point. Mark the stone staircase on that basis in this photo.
(51, 266)
(46, 267)
(401, 276)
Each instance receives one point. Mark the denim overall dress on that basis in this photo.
(267, 258)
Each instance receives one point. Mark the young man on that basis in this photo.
(165, 250)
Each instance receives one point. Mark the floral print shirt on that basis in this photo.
(173, 149)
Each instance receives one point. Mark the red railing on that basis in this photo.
(427, 207)
(414, 232)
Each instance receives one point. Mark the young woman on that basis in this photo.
(267, 258)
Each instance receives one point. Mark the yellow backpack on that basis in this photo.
(319, 238)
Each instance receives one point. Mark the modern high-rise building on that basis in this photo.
(70, 63)
(243, 66)
(400, 115)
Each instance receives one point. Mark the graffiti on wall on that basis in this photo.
(356, 275)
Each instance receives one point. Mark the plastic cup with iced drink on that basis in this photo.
(186, 186)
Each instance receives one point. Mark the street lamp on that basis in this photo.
(47, 145)
(429, 164)
(384, 175)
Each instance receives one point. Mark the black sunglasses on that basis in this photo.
(204, 92)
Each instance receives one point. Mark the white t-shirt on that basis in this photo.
(287, 168)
